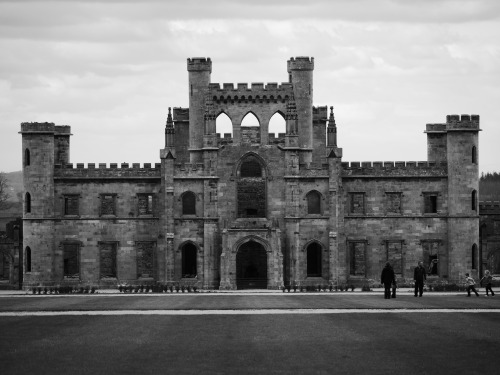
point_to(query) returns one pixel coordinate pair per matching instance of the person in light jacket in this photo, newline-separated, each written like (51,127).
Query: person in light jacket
(486,280)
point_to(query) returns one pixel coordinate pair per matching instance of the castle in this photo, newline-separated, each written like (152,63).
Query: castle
(251,209)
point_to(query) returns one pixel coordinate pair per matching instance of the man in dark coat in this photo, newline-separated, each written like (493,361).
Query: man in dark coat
(387,278)
(419,276)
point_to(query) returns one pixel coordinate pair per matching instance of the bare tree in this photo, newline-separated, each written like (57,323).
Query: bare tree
(4,190)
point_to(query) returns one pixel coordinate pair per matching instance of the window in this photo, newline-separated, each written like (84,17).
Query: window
(28,259)
(188,203)
(107,259)
(251,189)
(314,260)
(357,258)
(357,203)
(394,251)
(145,204)
(71,205)
(474,257)
(474,155)
(474,200)
(145,259)
(431,259)
(496,227)
(430,203)
(27,159)
(393,203)
(108,204)
(277,124)
(27,202)
(313,202)
(189,261)
(70,260)
(251,168)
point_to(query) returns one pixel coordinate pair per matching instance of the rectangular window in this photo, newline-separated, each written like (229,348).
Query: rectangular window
(431,257)
(430,203)
(71,260)
(393,203)
(496,227)
(145,259)
(357,203)
(71,205)
(394,250)
(357,258)
(145,204)
(107,259)
(108,204)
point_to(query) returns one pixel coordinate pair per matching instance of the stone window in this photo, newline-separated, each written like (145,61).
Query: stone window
(394,255)
(430,203)
(108,204)
(431,259)
(474,200)
(27,158)
(28,259)
(357,258)
(107,259)
(71,205)
(251,168)
(251,189)
(145,259)
(27,203)
(474,155)
(189,261)
(145,204)
(71,262)
(393,203)
(357,203)
(313,202)
(188,203)
(4,266)
(314,260)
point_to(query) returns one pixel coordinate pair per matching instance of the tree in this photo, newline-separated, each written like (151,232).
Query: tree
(4,190)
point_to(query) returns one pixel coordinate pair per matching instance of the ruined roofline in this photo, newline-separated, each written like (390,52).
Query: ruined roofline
(103,171)
(394,169)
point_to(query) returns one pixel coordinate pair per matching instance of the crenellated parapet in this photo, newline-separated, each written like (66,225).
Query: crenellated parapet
(463,122)
(257,93)
(300,63)
(102,170)
(199,64)
(394,169)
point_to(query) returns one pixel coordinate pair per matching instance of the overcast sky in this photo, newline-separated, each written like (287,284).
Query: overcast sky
(111,69)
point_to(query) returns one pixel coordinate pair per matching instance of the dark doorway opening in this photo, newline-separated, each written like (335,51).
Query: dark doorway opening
(251,266)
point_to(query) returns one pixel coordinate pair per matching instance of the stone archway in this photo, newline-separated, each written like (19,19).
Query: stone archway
(251,266)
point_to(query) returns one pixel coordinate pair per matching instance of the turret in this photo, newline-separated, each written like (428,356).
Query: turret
(169,131)
(199,79)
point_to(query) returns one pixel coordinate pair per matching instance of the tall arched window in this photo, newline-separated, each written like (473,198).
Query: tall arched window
(27,160)
(474,200)
(27,258)
(188,203)
(223,125)
(474,155)
(251,188)
(189,269)
(277,124)
(313,202)
(27,203)
(314,260)
(474,257)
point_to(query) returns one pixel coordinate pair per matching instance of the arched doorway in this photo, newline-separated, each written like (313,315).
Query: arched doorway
(251,266)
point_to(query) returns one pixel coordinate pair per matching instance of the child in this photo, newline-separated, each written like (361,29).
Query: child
(487,280)
(470,285)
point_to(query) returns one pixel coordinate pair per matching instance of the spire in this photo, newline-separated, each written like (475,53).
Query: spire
(332,130)
(169,130)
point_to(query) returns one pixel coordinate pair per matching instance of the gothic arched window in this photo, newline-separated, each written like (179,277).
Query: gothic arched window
(313,202)
(188,203)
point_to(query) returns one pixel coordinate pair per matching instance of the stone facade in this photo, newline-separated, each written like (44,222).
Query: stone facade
(250,209)
(490,237)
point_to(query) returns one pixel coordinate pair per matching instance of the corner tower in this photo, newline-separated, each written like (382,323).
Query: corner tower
(199,69)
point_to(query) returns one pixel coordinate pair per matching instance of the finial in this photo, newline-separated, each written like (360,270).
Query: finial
(169,117)
(331,120)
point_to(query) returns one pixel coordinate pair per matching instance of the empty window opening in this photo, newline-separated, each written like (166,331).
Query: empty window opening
(71,205)
(108,204)
(357,258)
(313,203)
(70,259)
(27,202)
(145,204)
(430,203)
(474,155)
(107,259)
(277,124)
(314,260)
(251,168)
(474,200)
(188,203)
(223,125)
(250,120)
(189,269)
(27,159)
(28,259)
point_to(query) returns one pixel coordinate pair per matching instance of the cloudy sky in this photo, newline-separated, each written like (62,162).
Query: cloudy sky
(111,69)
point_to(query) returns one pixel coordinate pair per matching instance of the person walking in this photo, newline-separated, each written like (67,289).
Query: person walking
(470,285)
(487,279)
(419,276)
(387,278)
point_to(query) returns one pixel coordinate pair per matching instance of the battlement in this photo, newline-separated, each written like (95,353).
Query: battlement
(199,64)
(394,169)
(435,128)
(300,63)
(257,93)
(115,170)
(463,122)
(37,127)
(489,207)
